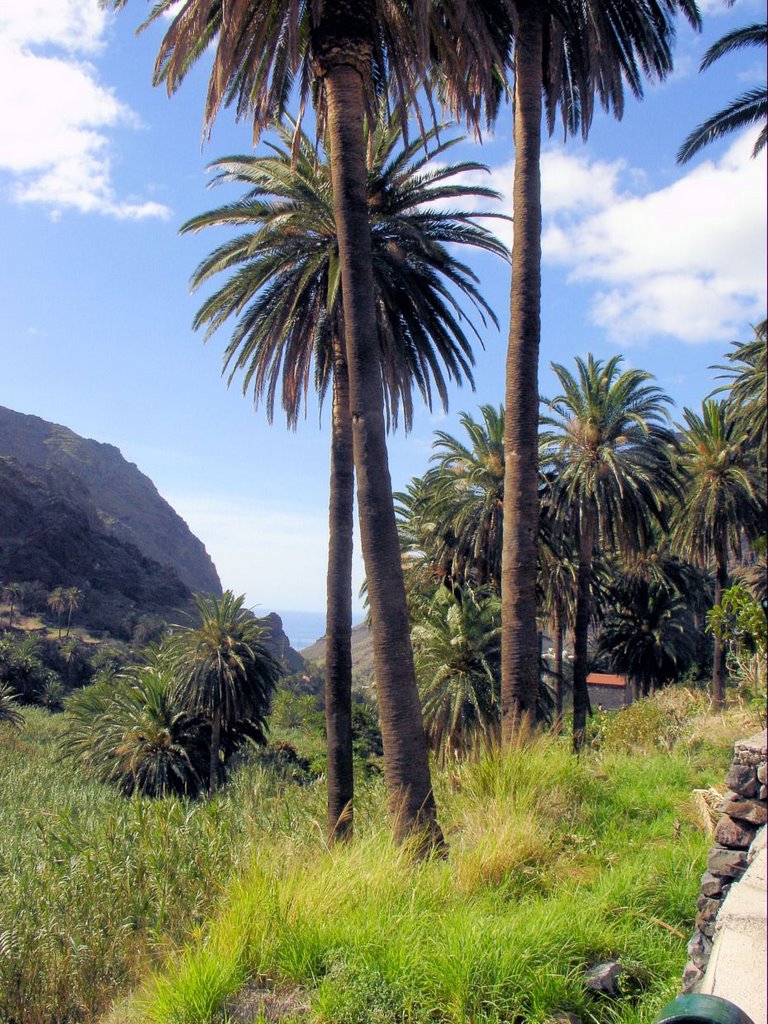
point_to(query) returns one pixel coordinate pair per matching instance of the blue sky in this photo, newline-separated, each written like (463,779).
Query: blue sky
(666,265)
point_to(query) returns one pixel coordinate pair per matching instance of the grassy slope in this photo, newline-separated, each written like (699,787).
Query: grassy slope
(555,863)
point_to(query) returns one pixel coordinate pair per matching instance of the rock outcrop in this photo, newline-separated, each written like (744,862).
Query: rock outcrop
(126,502)
(51,533)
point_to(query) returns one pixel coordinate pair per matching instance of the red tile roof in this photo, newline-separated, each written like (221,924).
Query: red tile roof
(606,679)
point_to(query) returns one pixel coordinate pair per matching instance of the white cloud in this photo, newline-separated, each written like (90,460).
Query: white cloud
(55,142)
(686,261)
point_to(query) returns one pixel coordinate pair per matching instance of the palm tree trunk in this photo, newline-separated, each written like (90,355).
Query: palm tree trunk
(587,530)
(406,766)
(338,627)
(213,771)
(557,725)
(718,663)
(519,667)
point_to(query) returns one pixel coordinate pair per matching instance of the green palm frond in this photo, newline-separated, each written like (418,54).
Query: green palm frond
(748,109)
(721,502)
(607,446)
(222,662)
(284,291)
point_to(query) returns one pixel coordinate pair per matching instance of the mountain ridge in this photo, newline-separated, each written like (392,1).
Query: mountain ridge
(126,501)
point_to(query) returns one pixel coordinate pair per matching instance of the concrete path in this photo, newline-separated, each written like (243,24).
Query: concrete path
(737,965)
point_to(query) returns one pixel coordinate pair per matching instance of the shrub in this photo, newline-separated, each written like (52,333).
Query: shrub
(653,723)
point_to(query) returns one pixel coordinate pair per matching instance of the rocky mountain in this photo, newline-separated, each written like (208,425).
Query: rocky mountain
(362,653)
(51,533)
(127,504)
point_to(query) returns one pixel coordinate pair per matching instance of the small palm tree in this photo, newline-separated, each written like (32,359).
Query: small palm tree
(608,452)
(132,733)
(721,504)
(8,711)
(72,597)
(57,603)
(748,109)
(456,648)
(12,592)
(223,670)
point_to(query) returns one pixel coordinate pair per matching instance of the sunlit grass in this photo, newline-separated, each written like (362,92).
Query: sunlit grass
(555,863)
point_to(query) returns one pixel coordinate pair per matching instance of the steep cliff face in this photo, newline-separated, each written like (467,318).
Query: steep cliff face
(125,501)
(51,533)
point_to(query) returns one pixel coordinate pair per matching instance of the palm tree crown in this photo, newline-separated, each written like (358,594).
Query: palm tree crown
(222,668)
(609,448)
(453,516)
(748,109)
(721,503)
(285,286)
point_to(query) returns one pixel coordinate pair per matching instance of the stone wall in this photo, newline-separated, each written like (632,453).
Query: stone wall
(744,810)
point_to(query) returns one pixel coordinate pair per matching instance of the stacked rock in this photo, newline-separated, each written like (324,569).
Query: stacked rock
(745,810)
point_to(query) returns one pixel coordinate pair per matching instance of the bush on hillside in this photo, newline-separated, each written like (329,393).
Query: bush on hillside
(653,723)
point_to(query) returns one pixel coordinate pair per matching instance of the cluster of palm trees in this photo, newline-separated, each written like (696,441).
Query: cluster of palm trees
(169,725)
(553,57)
(634,514)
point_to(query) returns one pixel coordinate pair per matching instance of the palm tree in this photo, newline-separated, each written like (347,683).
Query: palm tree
(223,670)
(72,597)
(609,453)
(647,635)
(566,52)
(557,584)
(748,386)
(57,603)
(285,292)
(456,647)
(133,733)
(345,56)
(8,710)
(12,592)
(721,505)
(749,108)
(463,497)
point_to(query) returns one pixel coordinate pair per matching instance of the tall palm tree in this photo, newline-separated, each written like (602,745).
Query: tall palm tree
(283,288)
(557,585)
(344,55)
(565,53)
(609,451)
(223,669)
(721,505)
(748,109)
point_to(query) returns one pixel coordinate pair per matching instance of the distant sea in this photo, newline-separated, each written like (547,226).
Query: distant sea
(304,628)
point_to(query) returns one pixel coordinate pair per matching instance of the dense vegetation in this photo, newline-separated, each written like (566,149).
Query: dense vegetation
(556,863)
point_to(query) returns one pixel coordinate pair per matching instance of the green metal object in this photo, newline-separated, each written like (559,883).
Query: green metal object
(700,1009)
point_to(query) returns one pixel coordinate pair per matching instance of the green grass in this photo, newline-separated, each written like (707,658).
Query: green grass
(555,863)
